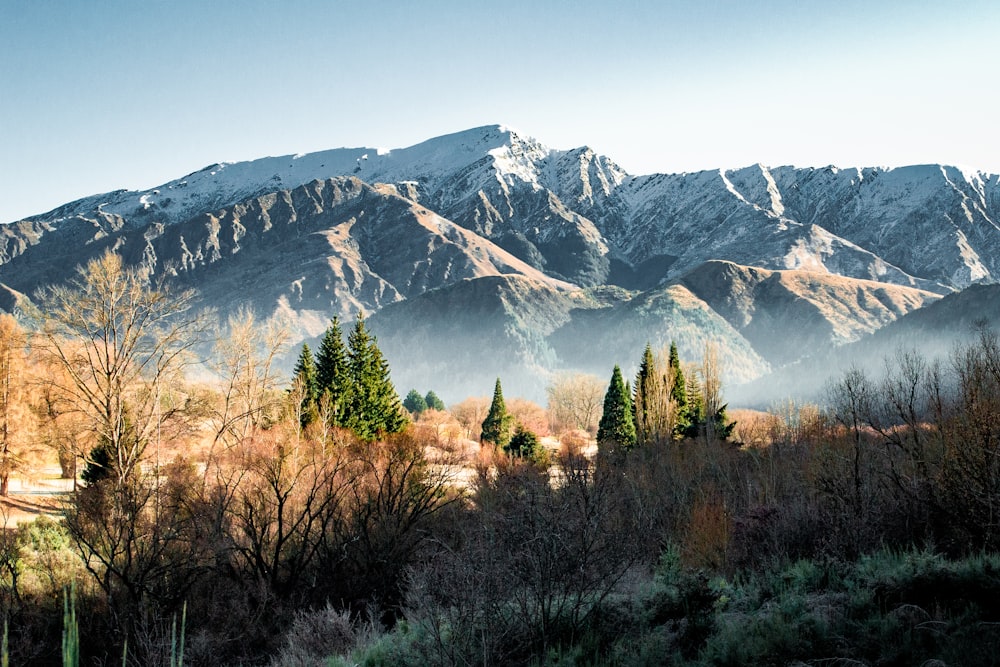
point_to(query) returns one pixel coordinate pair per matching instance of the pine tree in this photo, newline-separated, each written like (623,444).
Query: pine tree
(433,402)
(331,371)
(496,426)
(722,428)
(641,396)
(679,393)
(616,432)
(371,406)
(414,402)
(526,445)
(695,409)
(304,377)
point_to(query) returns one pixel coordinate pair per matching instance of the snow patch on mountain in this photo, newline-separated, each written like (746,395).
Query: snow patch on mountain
(915,225)
(518,162)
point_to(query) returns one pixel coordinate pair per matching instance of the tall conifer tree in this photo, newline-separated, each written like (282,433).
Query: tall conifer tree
(679,393)
(678,390)
(695,408)
(371,406)
(331,370)
(305,375)
(497,425)
(616,431)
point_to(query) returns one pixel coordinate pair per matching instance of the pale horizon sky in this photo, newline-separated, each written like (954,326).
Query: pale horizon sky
(102,95)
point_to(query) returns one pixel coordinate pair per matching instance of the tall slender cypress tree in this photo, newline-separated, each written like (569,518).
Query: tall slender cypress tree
(616,431)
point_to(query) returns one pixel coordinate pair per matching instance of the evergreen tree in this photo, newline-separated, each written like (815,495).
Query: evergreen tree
(370,406)
(414,402)
(331,371)
(678,393)
(102,463)
(722,428)
(695,409)
(305,376)
(641,397)
(526,445)
(496,426)
(99,464)
(616,431)
(433,402)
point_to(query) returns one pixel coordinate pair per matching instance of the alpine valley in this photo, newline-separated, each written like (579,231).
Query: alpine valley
(485,253)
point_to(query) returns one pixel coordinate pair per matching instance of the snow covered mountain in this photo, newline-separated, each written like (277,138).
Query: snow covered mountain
(930,226)
(353,229)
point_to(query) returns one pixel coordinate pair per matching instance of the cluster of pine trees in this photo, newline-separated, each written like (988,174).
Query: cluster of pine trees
(417,403)
(348,386)
(664,405)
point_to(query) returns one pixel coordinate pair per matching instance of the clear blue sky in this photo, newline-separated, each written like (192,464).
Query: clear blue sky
(97,95)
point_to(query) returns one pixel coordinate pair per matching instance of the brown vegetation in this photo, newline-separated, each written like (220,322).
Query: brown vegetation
(215,498)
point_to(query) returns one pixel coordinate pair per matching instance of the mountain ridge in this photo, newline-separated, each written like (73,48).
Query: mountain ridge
(834,253)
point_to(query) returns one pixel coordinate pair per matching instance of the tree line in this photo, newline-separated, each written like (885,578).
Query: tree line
(323,521)
(663,406)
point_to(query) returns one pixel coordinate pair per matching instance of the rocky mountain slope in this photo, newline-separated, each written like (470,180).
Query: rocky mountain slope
(532,259)
(788,314)
(933,332)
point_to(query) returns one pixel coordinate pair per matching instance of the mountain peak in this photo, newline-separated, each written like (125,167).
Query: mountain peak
(828,253)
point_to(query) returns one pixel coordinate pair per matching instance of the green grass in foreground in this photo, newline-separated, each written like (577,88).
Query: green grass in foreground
(887,608)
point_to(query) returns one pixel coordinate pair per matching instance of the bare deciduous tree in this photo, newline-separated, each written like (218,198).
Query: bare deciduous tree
(470,414)
(575,401)
(711,379)
(120,341)
(530,415)
(245,367)
(656,410)
(286,504)
(121,346)
(60,428)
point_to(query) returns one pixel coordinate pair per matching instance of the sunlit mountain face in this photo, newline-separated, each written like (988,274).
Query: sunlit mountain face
(486,253)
